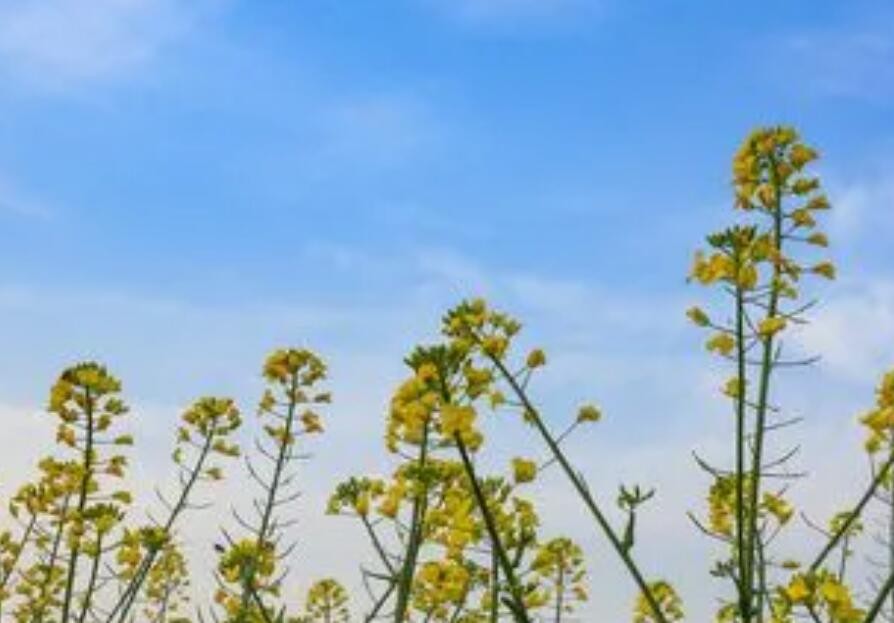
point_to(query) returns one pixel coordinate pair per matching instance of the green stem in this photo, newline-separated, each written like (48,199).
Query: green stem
(248,578)
(876,607)
(832,543)
(582,490)
(94,576)
(743,587)
(51,564)
(420,506)
(762,405)
(26,534)
(380,602)
(377,543)
(127,598)
(519,610)
(560,590)
(82,503)
(495,587)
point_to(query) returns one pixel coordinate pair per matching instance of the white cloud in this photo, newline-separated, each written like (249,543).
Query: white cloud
(863,206)
(617,348)
(853,331)
(59,43)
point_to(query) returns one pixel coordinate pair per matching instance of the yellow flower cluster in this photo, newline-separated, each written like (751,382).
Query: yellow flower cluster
(86,397)
(670,603)
(722,505)
(560,563)
(166,584)
(327,602)
(879,422)
(292,375)
(770,181)
(821,592)
(439,586)
(246,562)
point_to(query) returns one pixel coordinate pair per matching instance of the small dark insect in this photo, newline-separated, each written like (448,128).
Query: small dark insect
(219,548)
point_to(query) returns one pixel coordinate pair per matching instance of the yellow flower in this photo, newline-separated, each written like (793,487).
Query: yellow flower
(722,343)
(818,239)
(802,154)
(362,504)
(825,269)
(733,388)
(524,470)
(589,413)
(798,591)
(778,507)
(771,326)
(457,420)
(494,346)
(536,358)
(312,423)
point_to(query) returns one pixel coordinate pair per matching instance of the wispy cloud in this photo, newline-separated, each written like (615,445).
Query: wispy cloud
(863,205)
(853,331)
(621,349)
(855,61)
(60,43)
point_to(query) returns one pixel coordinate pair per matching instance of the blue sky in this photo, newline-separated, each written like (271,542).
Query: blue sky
(184,185)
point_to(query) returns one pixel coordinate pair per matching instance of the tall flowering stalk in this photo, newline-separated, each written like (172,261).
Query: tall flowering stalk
(248,570)
(486,336)
(761,265)
(468,544)
(204,432)
(86,401)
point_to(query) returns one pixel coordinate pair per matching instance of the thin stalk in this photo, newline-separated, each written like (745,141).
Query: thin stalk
(891,538)
(51,564)
(560,590)
(761,579)
(832,543)
(380,602)
(91,585)
(248,591)
(126,600)
(494,586)
(880,599)
(82,503)
(743,587)
(519,610)
(377,543)
(420,506)
(762,402)
(582,490)
(26,534)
